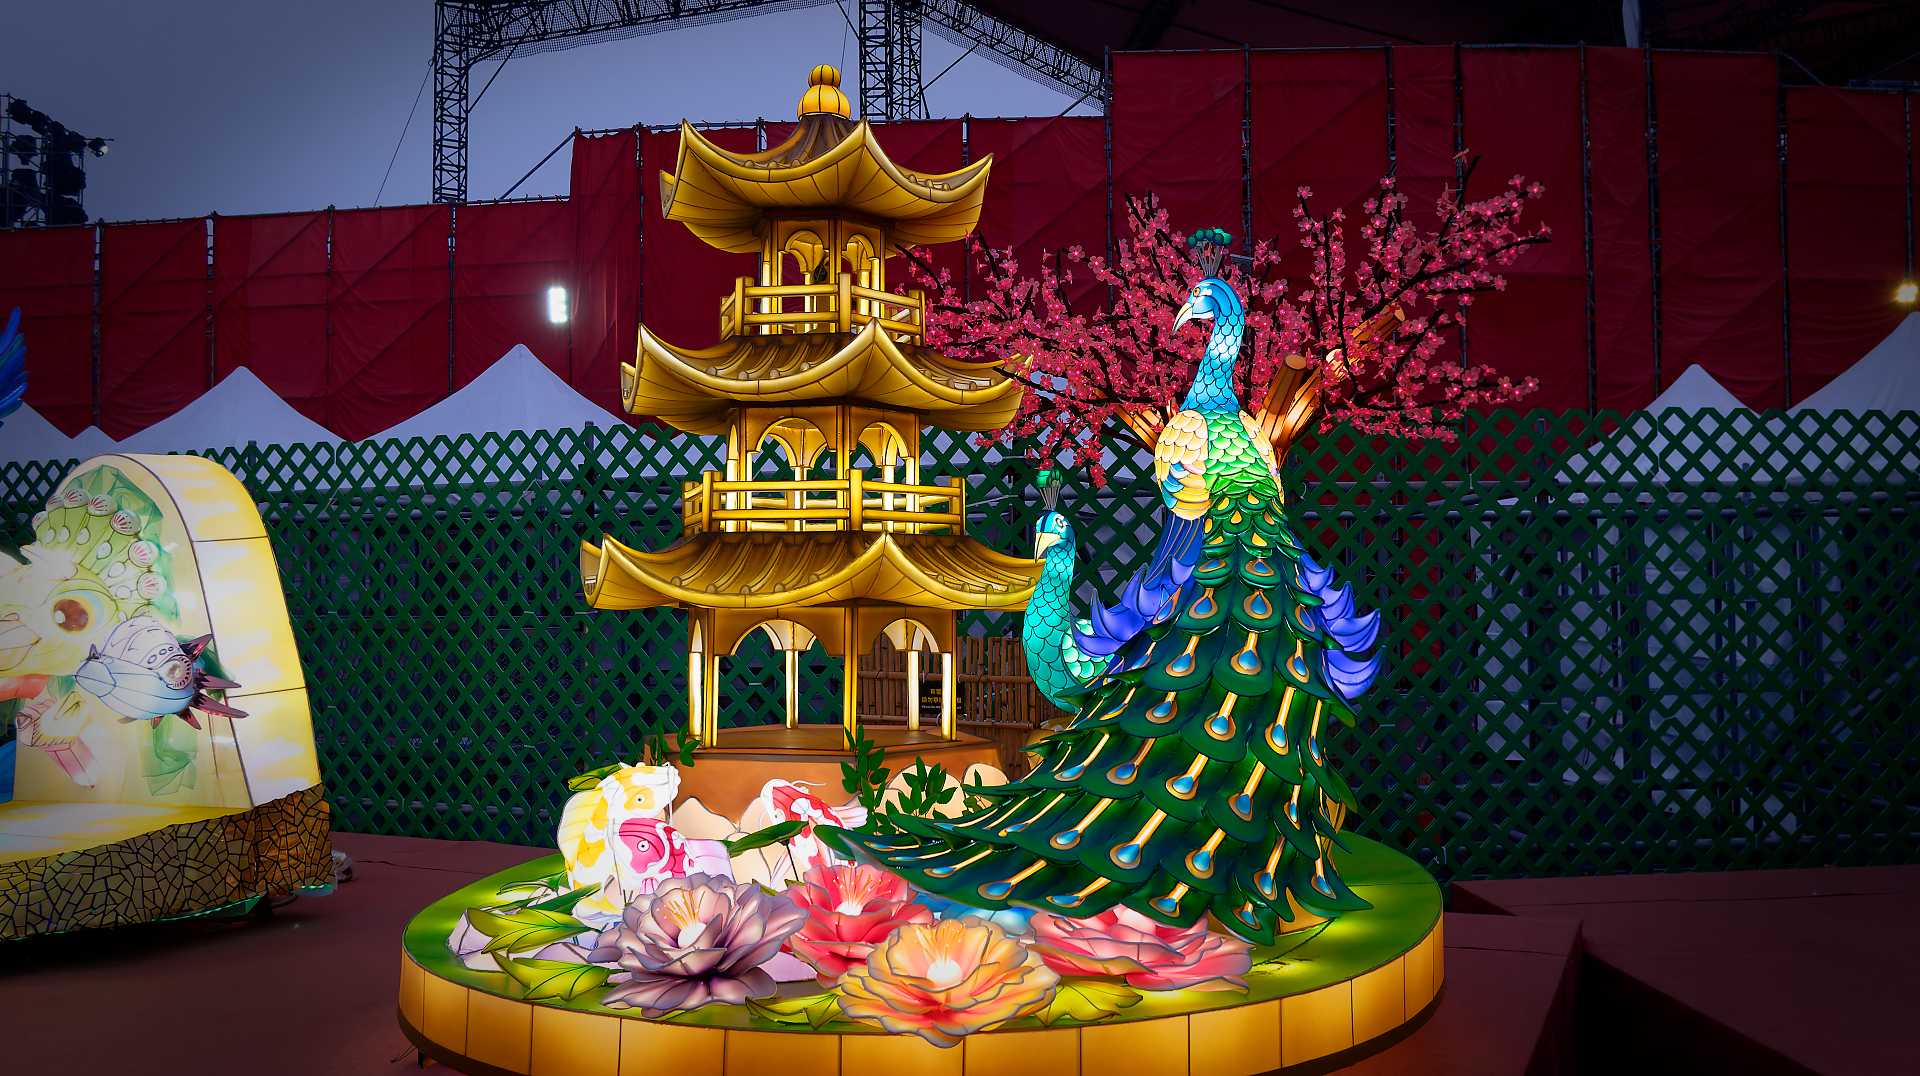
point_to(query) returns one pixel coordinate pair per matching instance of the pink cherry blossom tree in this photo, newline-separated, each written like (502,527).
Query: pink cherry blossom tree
(1360,340)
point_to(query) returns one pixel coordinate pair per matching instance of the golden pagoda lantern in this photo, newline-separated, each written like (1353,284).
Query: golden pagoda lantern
(820,357)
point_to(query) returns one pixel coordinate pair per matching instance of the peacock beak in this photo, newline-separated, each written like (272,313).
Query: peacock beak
(1044,541)
(1184,315)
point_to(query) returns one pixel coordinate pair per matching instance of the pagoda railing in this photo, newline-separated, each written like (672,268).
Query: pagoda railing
(838,306)
(855,503)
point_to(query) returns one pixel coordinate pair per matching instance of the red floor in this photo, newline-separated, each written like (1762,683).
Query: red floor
(1811,966)
(1787,971)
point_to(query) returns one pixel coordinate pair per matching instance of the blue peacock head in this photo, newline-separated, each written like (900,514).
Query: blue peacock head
(1213,299)
(1053,531)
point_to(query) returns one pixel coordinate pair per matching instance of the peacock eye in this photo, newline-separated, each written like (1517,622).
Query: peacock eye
(71,615)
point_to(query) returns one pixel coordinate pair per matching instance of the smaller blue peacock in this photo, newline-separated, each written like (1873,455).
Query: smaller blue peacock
(1194,778)
(1048,634)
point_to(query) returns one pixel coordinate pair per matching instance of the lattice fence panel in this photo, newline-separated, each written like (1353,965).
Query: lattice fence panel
(1616,643)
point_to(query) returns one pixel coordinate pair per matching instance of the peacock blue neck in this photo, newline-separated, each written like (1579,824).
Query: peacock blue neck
(1213,382)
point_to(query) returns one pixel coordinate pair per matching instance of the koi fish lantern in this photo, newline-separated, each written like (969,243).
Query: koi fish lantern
(615,839)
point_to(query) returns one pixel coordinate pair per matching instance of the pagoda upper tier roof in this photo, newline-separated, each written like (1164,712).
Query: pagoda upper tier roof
(693,390)
(762,570)
(829,164)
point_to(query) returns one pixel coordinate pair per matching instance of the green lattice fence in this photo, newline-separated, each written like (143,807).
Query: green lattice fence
(1650,642)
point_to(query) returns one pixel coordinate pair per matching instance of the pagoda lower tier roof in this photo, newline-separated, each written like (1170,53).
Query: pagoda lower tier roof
(746,570)
(694,390)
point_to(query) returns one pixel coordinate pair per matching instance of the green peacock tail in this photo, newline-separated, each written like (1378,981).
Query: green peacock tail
(1196,781)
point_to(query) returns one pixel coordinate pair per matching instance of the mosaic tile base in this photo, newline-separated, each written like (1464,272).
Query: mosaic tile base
(175,870)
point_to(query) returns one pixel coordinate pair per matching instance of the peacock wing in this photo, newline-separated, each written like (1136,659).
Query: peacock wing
(1180,464)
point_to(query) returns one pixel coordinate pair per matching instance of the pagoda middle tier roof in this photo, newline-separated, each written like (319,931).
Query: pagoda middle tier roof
(829,164)
(760,570)
(693,390)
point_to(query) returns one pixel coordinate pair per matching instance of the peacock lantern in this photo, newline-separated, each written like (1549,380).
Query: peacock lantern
(1193,778)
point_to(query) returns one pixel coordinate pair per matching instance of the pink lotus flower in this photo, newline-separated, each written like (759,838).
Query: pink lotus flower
(1148,954)
(943,981)
(850,909)
(695,940)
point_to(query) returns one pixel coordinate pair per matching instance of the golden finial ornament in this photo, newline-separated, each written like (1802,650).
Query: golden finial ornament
(823,96)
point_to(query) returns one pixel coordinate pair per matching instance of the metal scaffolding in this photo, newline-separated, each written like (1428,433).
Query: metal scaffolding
(466,32)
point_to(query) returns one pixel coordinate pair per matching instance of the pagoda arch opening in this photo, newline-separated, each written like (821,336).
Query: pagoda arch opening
(776,643)
(902,649)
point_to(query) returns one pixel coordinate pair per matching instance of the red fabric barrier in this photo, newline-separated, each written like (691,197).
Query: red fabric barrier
(153,322)
(1319,121)
(1423,110)
(1622,263)
(1846,183)
(505,257)
(1176,133)
(929,147)
(606,195)
(685,278)
(387,304)
(1720,273)
(270,304)
(48,274)
(1048,190)
(1522,117)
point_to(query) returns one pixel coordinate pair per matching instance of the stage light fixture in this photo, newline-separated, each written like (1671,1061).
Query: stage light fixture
(1907,293)
(557,312)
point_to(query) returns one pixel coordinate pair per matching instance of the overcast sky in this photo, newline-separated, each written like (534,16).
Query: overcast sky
(249,107)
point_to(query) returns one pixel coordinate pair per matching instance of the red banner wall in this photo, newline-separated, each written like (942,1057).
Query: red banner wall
(1720,272)
(1622,260)
(1423,108)
(684,277)
(387,300)
(1522,117)
(607,263)
(1176,133)
(153,322)
(1048,190)
(929,147)
(505,257)
(270,304)
(1319,121)
(1846,182)
(48,274)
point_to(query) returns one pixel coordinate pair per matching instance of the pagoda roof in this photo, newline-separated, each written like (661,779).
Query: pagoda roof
(693,390)
(762,570)
(828,163)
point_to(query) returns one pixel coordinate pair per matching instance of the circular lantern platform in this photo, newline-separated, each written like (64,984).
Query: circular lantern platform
(1320,996)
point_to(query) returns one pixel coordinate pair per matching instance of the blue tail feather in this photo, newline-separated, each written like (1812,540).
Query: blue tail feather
(1149,594)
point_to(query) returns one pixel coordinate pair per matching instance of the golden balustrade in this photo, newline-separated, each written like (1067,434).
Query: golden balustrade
(854,503)
(837,306)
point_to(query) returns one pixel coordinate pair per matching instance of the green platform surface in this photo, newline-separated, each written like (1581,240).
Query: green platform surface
(1406,906)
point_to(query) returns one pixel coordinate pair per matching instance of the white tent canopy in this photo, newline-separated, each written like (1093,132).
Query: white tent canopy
(1885,379)
(241,408)
(25,436)
(92,441)
(1660,445)
(517,392)
(1696,390)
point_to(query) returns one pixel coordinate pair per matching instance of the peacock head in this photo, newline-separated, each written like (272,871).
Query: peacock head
(1052,530)
(1053,536)
(1212,299)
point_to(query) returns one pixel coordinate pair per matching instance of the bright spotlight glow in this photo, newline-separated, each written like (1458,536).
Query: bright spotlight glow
(557,305)
(1907,293)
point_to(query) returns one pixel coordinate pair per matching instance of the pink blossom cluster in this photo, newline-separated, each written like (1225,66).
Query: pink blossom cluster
(1090,369)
